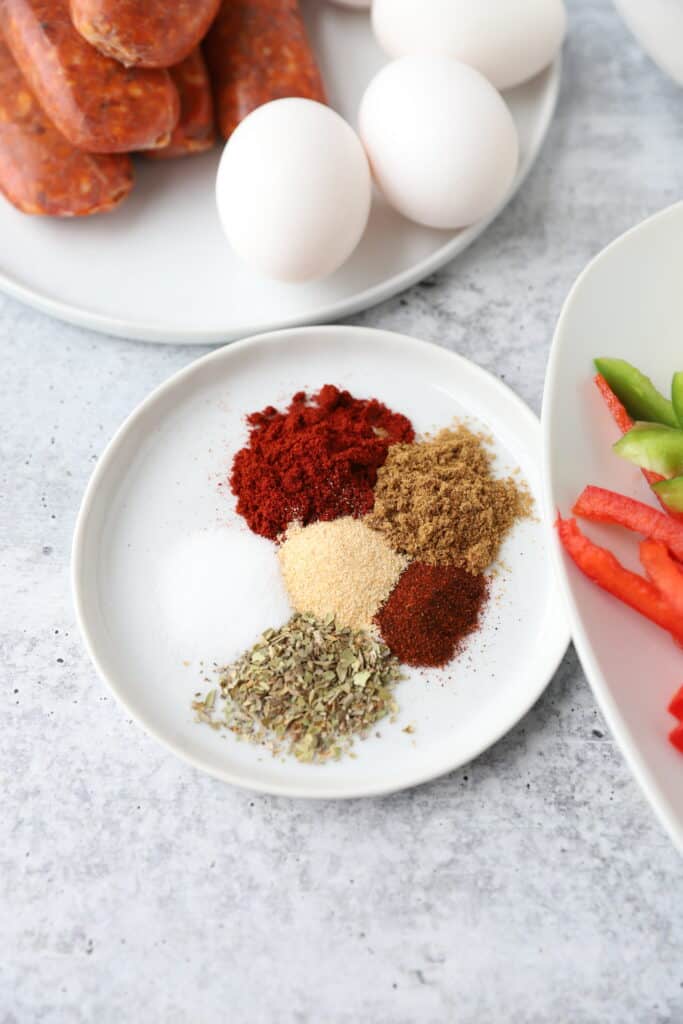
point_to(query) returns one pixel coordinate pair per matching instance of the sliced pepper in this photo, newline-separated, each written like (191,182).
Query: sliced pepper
(637,392)
(619,414)
(677,396)
(624,422)
(603,506)
(670,493)
(664,572)
(654,447)
(676,706)
(601,566)
(676,737)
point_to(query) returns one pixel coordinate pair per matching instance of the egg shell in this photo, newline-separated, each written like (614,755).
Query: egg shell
(441,141)
(509,41)
(294,190)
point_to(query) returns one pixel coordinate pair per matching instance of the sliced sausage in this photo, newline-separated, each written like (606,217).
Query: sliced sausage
(195,130)
(258,50)
(40,172)
(148,33)
(95,102)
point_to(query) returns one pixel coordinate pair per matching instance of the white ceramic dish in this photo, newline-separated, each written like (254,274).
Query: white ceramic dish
(658,27)
(159,269)
(627,303)
(158,481)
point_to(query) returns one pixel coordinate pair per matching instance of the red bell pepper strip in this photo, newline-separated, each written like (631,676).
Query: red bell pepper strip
(664,572)
(676,737)
(676,706)
(601,566)
(615,406)
(603,506)
(624,422)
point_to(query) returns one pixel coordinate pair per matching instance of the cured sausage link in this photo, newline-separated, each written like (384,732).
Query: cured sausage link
(96,103)
(148,33)
(195,130)
(40,172)
(258,50)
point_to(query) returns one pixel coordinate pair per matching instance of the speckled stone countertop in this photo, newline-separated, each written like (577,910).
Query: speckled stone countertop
(534,885)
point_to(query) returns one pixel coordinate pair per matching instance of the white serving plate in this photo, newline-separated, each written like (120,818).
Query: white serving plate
(658,27)
(158,481)
(627,303)
(160,269)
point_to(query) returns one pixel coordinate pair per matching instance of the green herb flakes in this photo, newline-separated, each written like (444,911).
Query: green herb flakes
(308,689)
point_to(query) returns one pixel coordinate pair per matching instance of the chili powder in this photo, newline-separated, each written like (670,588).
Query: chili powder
(317,460)
(429,613)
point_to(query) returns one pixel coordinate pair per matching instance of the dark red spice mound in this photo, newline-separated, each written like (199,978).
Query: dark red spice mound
(317,460)
(429,613)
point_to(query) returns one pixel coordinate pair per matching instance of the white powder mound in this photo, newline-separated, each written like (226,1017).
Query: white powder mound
(219,590)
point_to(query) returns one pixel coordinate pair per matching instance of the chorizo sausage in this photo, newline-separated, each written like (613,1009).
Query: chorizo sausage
(148,33)
(195,130)
(40,172)
(258,50)
(96,103)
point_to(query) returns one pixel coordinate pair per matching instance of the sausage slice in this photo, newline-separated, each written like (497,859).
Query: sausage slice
(40,172)
(95,102)
(258,50)
(148,33)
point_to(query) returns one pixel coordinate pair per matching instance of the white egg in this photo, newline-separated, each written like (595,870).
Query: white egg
(441,141)
(357,4)
(509,41)
(294,190)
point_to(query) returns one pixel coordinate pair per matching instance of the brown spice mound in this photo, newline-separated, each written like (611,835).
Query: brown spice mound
(430,612)
(439,502)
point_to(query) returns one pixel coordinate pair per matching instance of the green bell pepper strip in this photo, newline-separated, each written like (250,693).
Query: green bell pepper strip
(654,447)
(637,392)
(670,493)
(677,396)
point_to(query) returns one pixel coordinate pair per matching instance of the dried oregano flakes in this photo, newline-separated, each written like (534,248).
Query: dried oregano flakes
(308,688)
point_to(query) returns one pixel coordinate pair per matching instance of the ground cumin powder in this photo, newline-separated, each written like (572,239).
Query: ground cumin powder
(439,502)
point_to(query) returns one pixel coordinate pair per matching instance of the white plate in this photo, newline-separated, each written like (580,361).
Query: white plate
(159,269)
(627,303)
(158,481)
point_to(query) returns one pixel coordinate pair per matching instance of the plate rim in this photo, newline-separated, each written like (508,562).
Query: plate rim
(584,648)
(554,651)
(326,313)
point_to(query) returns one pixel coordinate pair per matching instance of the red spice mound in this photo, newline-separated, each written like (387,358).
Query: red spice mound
(430,611)
(317,460)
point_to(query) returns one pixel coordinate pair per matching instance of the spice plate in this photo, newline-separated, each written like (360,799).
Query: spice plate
(163,478)
(160,269)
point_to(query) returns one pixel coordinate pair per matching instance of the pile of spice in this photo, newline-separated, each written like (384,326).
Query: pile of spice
(220,588)
(439,501)
(317,460)
(308,688)
(430,613)
(340,568)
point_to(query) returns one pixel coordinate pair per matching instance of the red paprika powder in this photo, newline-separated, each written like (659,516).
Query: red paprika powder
(317,460)
(429,613)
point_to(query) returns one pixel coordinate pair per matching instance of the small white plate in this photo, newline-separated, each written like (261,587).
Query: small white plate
(158,481)
(160,269)
(627,303)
